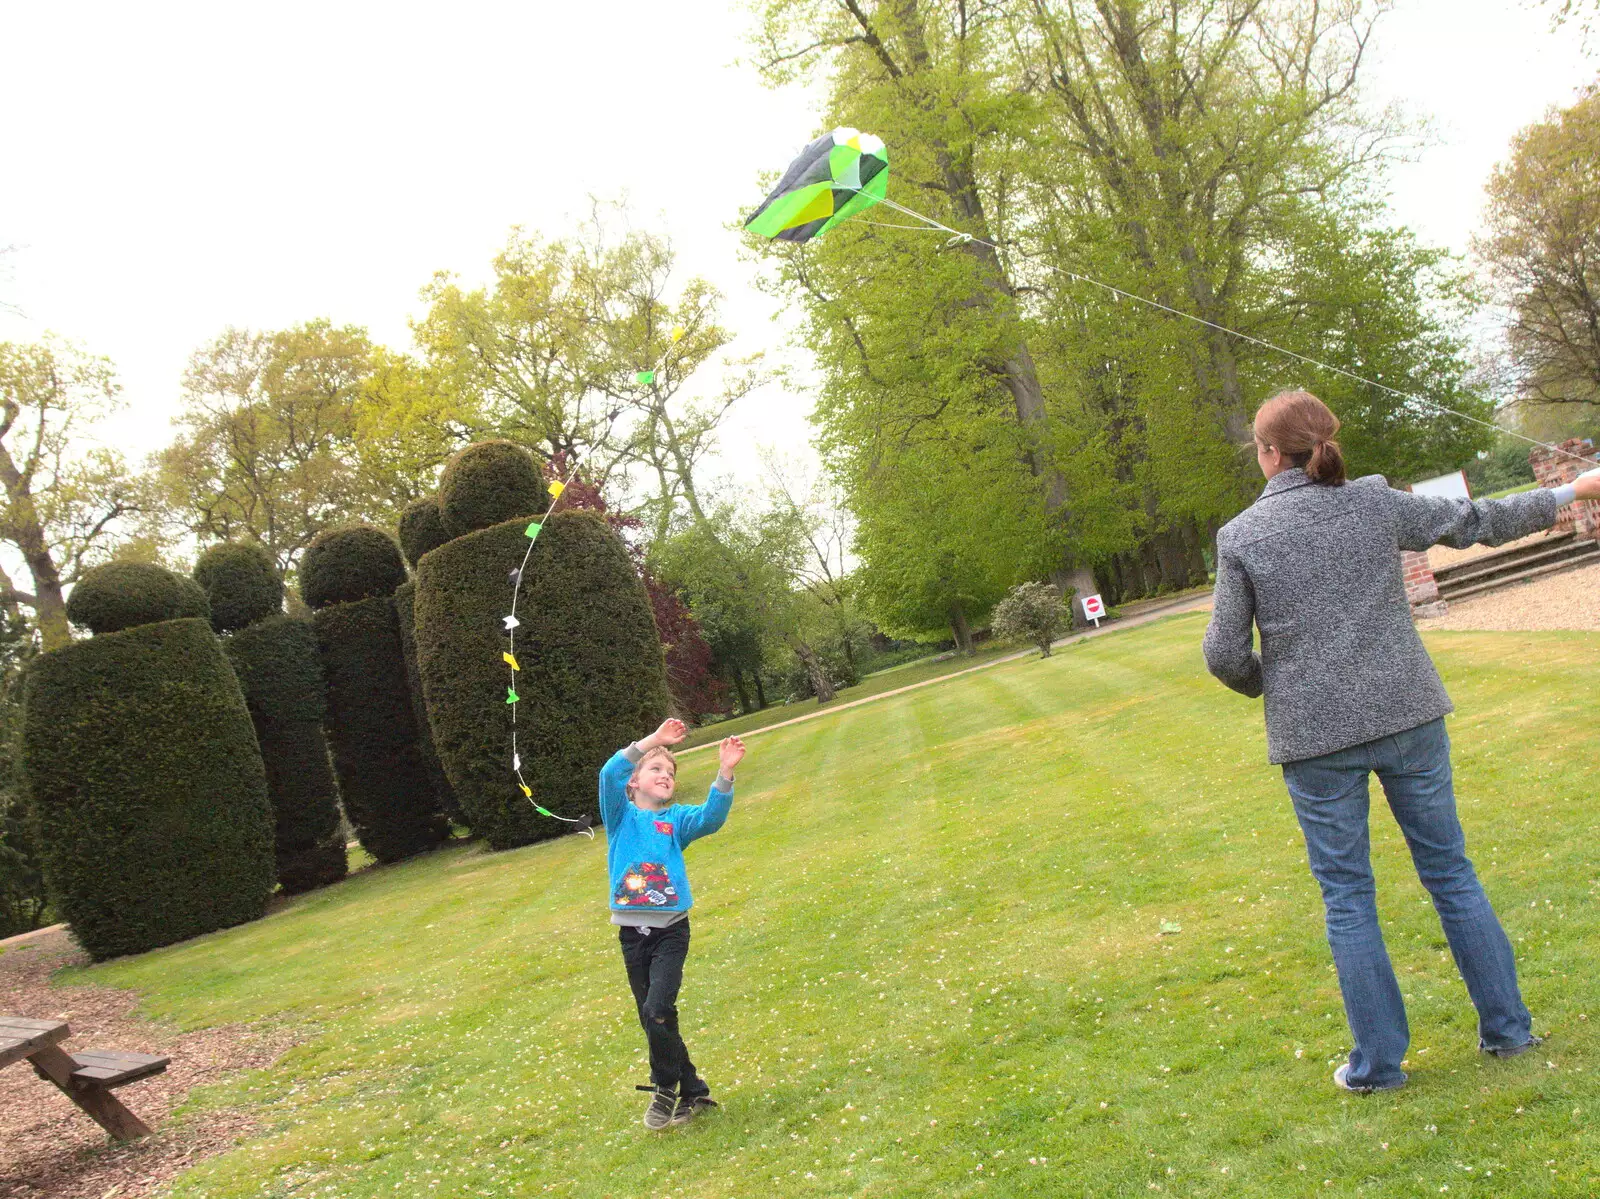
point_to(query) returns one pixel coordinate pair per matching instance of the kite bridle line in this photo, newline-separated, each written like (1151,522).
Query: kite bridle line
(511,637)
(959,238)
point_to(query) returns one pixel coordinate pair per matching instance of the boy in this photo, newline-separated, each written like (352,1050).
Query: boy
(646,835)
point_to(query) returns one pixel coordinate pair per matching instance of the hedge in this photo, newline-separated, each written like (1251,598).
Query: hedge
(242,582)
(421,529)
(405,607)
(488,483)
(592,675)
(279,672)
(147,788)
(350,563)
(124,595)
(387,794)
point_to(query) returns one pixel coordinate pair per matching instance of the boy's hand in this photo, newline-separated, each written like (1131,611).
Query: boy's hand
(1587,485)
(670,733)
(731,751)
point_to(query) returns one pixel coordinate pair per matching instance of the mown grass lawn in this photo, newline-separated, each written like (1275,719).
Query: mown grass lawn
(928,960)
(905,675)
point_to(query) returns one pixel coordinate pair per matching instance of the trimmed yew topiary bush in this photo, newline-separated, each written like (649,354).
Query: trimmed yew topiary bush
(488,483)
(281,676)
(124,595)
(421,529)
(144,778)
(354,562)
(275,658)
(592,669)
(405,608)
(382,776)
(242,583)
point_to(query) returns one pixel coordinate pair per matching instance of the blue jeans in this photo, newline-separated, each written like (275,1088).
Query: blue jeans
(1331,802)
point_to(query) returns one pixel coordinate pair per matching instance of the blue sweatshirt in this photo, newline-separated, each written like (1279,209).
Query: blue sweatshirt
(644,848)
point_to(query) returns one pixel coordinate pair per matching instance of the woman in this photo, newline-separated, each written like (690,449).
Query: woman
(1350,690)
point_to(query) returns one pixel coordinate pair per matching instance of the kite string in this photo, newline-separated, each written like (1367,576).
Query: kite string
(511,636)
(958,237)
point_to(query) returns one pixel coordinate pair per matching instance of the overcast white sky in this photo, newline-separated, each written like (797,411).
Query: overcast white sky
(171,169)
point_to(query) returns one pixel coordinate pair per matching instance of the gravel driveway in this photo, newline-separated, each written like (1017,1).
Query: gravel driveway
(1569,600)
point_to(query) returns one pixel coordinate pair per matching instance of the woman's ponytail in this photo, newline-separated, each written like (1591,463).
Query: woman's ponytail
(1326,464)
(1301,427)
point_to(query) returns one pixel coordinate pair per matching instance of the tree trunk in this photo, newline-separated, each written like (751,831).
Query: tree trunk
(738,690)
(960,629)
(26,532)
(815,670)
(761,692)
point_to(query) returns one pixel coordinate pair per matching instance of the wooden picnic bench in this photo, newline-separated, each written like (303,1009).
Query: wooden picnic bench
(86,1078)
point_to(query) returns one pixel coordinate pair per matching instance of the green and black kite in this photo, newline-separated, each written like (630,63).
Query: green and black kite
(835,177)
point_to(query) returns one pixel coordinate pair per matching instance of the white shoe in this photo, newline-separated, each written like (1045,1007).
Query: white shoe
(1343,1073)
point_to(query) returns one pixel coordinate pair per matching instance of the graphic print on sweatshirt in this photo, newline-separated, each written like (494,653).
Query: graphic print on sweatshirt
(645,885)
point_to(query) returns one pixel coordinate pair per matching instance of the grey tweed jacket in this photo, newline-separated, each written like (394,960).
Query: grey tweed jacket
(1317,570)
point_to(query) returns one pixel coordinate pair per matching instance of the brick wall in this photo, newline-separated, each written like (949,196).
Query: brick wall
(1421,587)
(1552,470)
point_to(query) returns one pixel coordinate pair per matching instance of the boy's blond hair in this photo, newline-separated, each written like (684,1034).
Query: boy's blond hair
(659,751)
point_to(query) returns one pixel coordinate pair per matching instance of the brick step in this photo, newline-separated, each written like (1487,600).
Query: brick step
(1572,562)
(1512,554)
(1484,569)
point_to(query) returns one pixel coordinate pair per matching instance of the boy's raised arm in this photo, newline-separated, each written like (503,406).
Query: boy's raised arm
(614,775)
(707,818)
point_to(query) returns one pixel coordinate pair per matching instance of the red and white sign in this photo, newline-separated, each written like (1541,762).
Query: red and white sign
(1094,609)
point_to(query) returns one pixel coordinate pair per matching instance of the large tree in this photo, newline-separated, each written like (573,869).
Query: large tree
(590,347)
(286,433)
(66,498)
(1542,245)
(1208,156)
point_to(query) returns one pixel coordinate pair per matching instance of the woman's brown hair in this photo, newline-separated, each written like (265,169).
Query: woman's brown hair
(1302,428)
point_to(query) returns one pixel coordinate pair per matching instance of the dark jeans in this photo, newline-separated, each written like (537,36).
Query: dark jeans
(1331,802)
(655,972)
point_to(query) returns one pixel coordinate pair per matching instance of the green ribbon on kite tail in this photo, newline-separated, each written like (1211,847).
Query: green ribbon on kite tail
(835,177)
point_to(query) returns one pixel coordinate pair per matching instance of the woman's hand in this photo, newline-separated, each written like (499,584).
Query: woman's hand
(670,733)
(1587,485)
(731,752)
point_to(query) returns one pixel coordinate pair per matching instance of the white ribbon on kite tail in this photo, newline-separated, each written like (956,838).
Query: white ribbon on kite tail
(957,237)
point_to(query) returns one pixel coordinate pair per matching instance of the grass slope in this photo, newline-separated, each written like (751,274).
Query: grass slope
(928,961)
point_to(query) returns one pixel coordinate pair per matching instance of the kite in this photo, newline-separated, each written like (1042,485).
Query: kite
(837,176)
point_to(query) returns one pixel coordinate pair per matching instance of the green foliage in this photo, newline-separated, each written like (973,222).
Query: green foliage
(1542,248)
(289,432)
(370,727)
(242,583)
(488,483)
(122,595)
(405,610)
(1033,612)
(276,662)
(1505,465)
(147,787)
(24,901)
(421,528)
(344,565)
(592,675)
(550,354)
(939,543)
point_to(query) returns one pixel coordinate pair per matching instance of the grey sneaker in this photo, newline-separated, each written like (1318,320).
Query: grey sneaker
(690,1106)
(1532,1042)
(663,1100)
(1342,1074)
